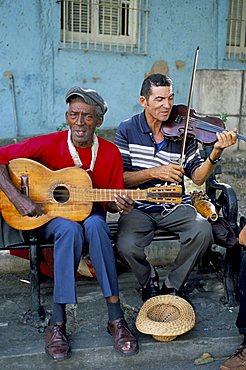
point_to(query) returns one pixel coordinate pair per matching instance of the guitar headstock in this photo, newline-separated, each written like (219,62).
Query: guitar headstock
(165,194)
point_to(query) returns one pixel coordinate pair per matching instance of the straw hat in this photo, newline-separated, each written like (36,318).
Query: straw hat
(165,317)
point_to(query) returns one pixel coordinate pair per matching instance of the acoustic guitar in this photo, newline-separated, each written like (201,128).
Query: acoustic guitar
(67,193)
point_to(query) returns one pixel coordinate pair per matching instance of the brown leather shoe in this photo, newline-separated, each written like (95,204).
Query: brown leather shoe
(237,361)
(56,343)
(124,340)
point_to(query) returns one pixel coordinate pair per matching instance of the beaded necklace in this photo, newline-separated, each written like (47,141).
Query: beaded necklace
(75,154)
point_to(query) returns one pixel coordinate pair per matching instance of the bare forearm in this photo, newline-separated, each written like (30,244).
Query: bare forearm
(225,140)
(22,203)
(6,184)
(135,178)
(171,172)
(201,174)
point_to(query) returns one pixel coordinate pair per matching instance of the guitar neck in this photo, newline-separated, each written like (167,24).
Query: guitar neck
(162,194)
(100,195)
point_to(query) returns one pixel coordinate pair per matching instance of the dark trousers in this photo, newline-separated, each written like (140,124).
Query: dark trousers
(136,231)
(241,317)
(69,239)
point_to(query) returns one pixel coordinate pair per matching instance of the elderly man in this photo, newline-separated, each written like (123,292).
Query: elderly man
(79,146)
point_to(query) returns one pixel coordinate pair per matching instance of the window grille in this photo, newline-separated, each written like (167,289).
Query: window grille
(236,31)
(105,25)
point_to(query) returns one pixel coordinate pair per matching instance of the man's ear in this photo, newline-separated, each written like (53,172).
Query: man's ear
(66,115)
(100,121)
(143,101)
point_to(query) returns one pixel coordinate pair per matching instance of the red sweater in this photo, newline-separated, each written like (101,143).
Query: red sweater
(52,151)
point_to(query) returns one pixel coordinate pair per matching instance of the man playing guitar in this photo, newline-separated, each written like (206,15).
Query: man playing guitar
(80,147)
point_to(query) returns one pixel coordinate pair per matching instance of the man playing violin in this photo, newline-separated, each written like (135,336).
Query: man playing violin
(80,147)
(152,159)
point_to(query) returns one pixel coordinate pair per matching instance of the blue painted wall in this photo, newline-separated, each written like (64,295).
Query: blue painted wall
(31,52)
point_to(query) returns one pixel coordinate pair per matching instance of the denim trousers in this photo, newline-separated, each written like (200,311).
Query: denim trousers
(70,238)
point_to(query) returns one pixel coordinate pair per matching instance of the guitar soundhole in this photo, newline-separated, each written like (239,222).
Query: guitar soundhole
(61,194)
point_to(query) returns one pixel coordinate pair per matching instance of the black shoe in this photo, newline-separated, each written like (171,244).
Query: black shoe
(173,291)
(152,288)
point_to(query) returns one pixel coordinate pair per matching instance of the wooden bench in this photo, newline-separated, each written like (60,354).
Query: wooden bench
(222,195)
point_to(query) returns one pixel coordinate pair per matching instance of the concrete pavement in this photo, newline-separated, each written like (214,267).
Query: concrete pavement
(22,346)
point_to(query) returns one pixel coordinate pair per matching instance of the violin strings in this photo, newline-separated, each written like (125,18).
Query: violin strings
(211,128)
(205,125)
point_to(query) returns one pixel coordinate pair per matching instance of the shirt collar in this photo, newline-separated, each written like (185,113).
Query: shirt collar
(144,124)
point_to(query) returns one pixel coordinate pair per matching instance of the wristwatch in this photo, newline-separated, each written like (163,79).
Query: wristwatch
(214,161)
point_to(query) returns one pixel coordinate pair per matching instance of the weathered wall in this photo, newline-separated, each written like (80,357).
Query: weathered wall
(220,91)
(31,52)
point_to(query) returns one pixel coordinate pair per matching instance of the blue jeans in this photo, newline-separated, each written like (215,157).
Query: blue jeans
(69,239)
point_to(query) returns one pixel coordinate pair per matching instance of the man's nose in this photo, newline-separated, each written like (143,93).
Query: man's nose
(80,119)
(166,103)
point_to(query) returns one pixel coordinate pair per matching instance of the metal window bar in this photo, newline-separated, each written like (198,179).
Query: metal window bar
(112,25)
(88,26)
(80,23)
(236,32)
(64,23)
(139,25)
(72,24)
(118,27)
(110,22)
(132,39)
(95,22)
(146,26)
(102,17)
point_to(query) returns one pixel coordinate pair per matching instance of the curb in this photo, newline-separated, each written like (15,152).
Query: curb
(157,253)
(10,264)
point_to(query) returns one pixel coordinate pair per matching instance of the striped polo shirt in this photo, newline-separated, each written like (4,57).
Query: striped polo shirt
(139,151)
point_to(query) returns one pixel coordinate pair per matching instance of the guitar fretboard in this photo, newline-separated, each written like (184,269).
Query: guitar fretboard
(109,194)
(161,194)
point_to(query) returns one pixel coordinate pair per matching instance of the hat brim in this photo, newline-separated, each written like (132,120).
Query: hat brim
(165,317)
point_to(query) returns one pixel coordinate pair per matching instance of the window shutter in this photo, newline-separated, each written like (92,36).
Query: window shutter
(79,16)
(109,17)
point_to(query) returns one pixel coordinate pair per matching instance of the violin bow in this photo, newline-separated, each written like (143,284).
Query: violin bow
(188,109)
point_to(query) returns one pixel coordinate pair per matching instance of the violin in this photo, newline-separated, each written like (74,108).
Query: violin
(201,128)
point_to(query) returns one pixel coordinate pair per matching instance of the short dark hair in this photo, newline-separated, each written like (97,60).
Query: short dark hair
(156,79)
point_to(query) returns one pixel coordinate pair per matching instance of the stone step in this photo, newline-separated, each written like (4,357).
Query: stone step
(22,346)
(179,354)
